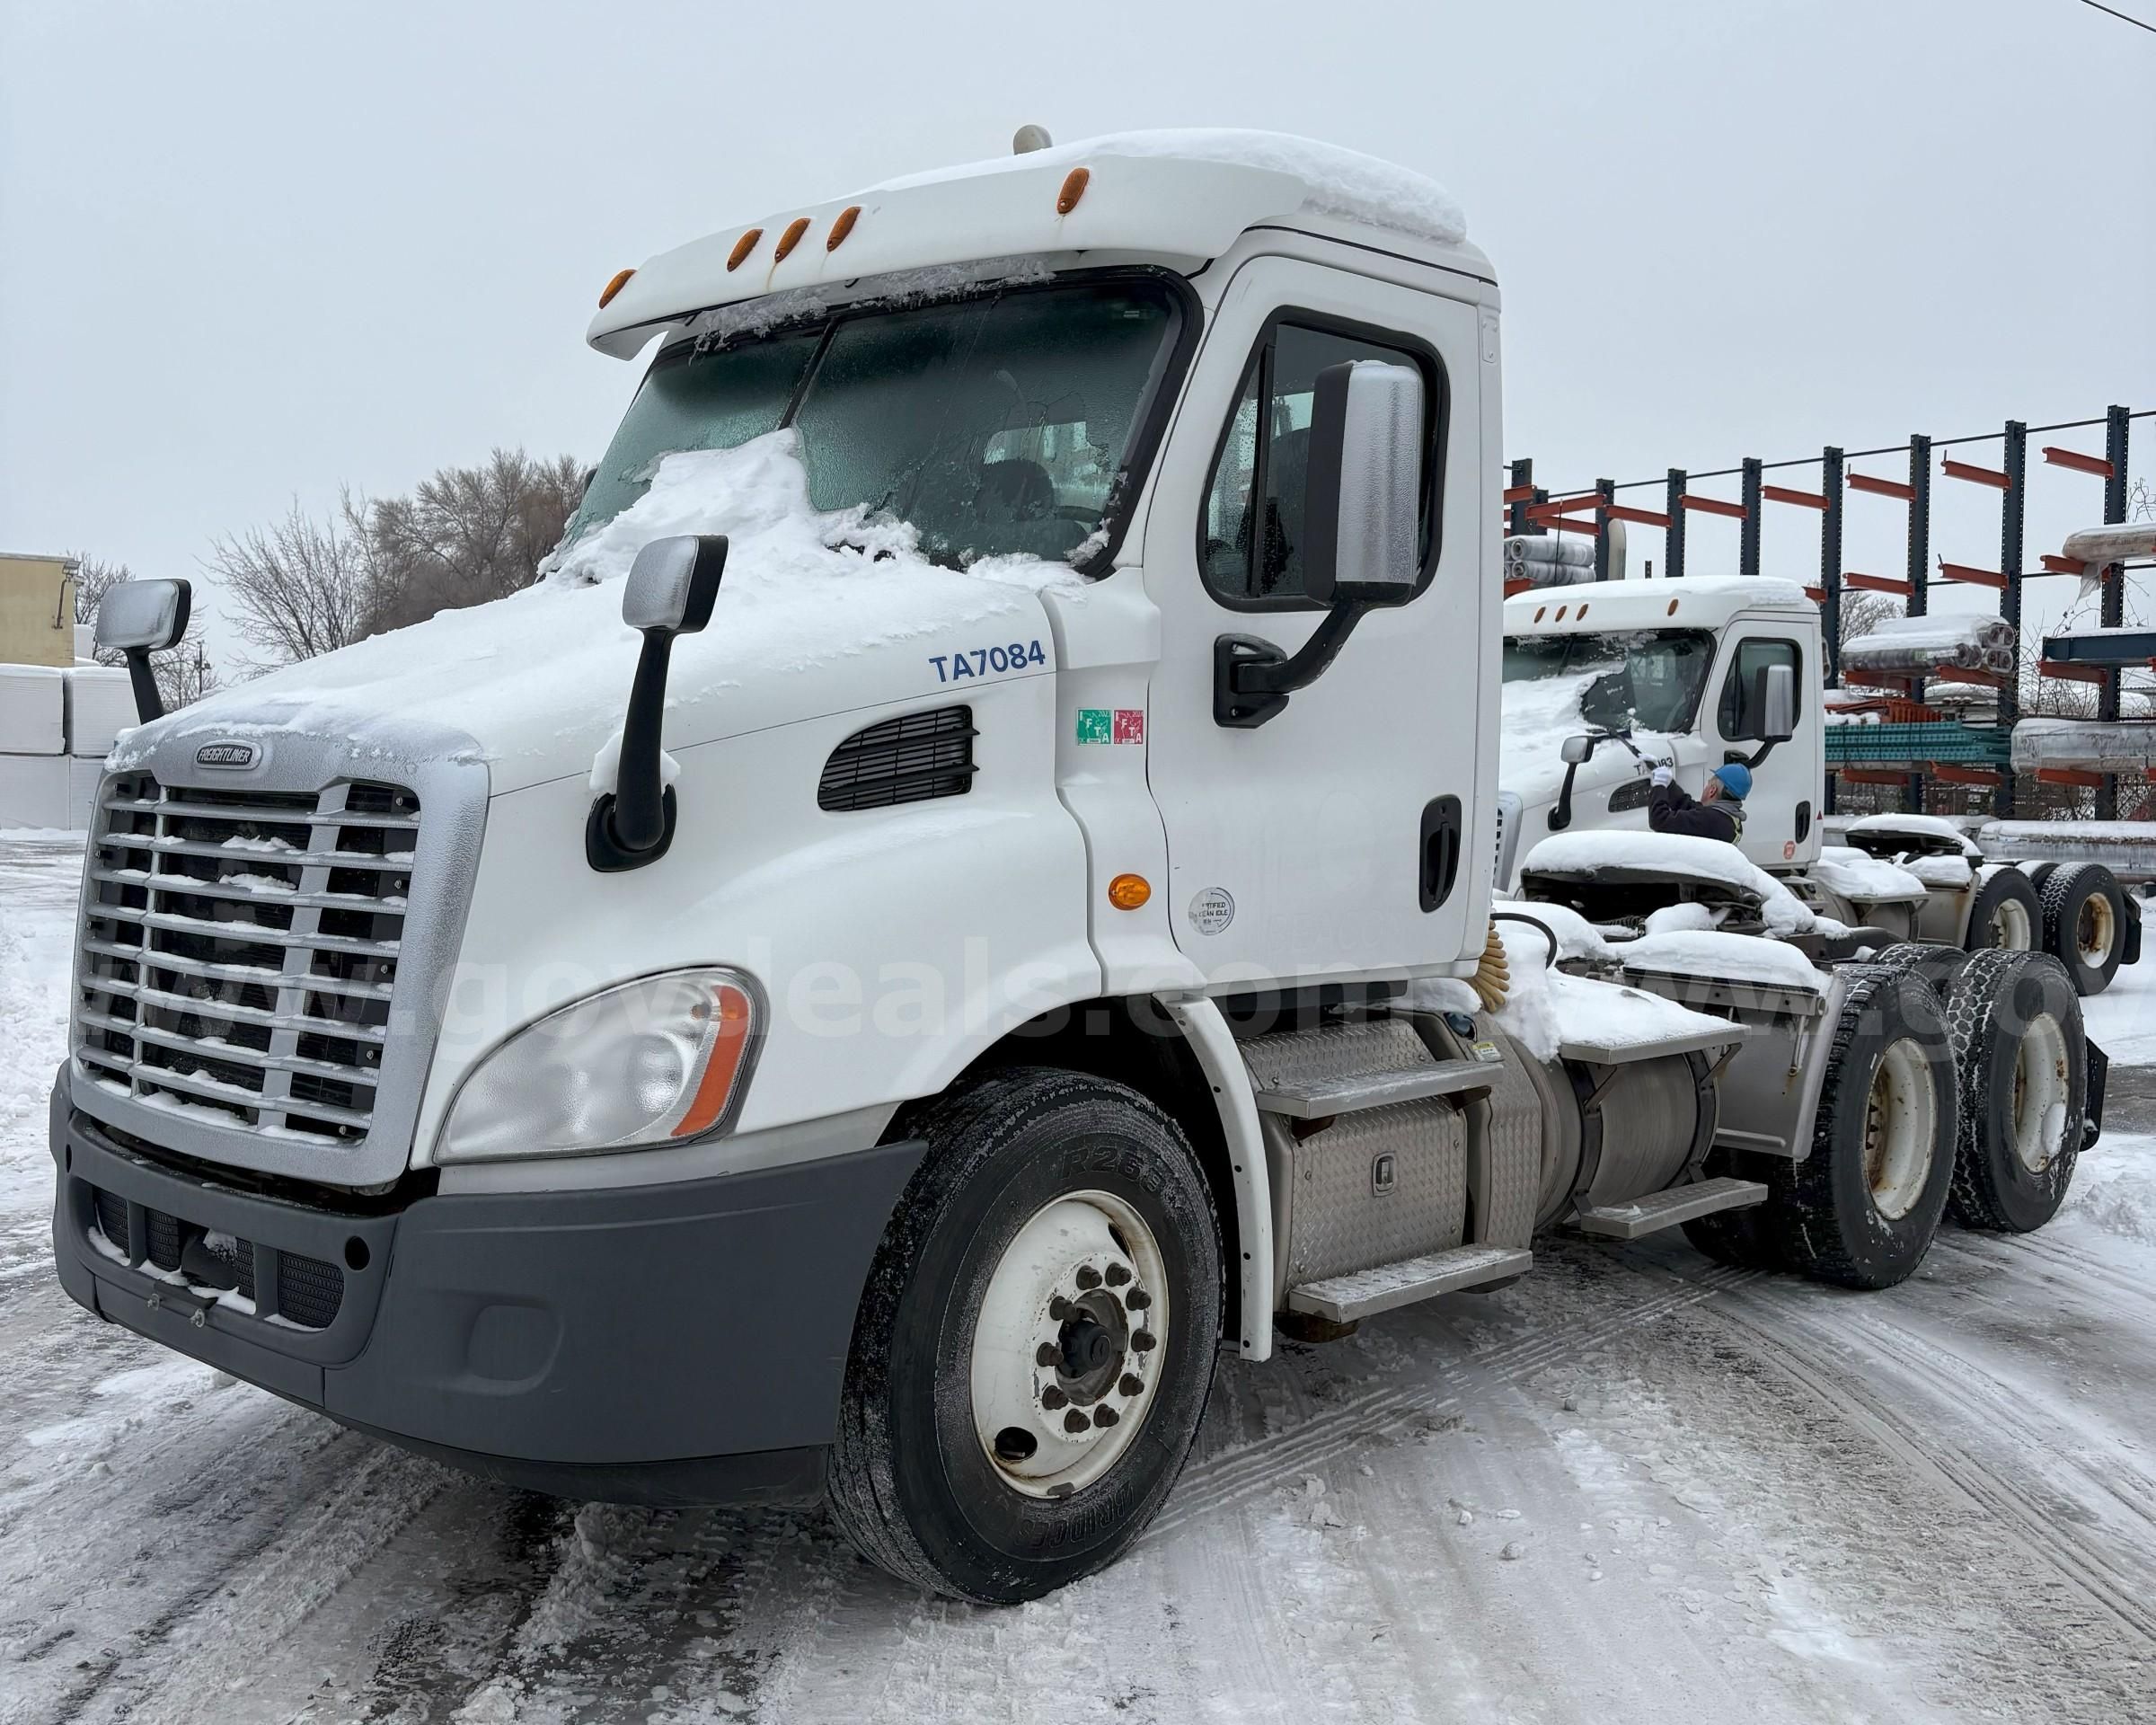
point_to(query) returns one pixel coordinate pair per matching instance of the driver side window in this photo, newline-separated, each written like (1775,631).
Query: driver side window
(1741,721)
(1252,535)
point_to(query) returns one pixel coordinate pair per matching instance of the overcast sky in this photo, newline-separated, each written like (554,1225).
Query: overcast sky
(250,253)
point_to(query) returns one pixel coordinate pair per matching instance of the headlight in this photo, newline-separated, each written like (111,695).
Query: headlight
(660,1060)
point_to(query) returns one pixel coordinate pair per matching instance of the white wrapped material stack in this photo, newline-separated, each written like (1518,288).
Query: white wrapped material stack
(1919,644)
(2090,745)
(100,705)
(1549,560)
(33,710)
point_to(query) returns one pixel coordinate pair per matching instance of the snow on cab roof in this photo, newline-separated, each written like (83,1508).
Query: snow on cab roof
(1703,601)
(1181,195)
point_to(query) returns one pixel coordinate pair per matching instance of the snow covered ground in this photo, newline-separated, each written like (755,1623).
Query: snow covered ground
(1634,1486)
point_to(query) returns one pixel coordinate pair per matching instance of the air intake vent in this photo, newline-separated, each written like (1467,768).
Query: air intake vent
(911,759)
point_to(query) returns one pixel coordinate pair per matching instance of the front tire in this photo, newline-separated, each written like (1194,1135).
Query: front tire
(1037,1341)
(1861,1209)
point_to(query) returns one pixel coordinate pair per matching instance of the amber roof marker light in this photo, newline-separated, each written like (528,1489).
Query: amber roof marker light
(843,227)
(791,238)
(620,281)
(1074,187)
(743,247)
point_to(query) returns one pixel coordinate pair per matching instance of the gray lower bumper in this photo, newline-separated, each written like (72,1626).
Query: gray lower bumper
(674,1343)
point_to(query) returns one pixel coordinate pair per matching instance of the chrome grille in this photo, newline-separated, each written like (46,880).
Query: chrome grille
(240,949)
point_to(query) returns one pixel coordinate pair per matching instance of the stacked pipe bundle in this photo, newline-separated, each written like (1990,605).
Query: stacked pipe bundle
(1549,560)
(1918,644)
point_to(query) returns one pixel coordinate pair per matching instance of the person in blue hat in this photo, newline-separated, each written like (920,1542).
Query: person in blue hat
(1719,814)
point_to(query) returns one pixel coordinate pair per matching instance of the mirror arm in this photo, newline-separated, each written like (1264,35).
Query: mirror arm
(1252,678)
(1752,761)
(149,703)
(633,824)
(1560,816)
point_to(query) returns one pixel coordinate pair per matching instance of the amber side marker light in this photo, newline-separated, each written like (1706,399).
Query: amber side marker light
(843,227)
(743,247)
(620,281)
(1074,189)
(791,238)
(1129,891)
(734,1019)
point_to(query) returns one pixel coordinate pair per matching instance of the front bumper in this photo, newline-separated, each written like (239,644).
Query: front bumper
(677,1343)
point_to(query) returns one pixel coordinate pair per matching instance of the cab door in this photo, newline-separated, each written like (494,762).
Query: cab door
(1343,835)
(1781,815)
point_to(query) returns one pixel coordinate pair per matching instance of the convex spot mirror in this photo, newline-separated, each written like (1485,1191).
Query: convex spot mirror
(1575,750)
(1363,514)
(1776,701)
(674,583)
(144,616)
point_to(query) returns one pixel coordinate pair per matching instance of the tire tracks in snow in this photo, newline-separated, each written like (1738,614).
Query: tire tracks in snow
(1232,1475)
(1817,1359)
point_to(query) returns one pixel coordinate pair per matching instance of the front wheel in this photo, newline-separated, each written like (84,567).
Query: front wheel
(1037,1341)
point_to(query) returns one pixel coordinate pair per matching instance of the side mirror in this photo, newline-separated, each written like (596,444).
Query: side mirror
(1577,751)
(139,618)
(1364,503)
(1774,698)
(671,588)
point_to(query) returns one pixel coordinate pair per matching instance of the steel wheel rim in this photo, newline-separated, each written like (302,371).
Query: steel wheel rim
(2037,1119)
(2094,931)
(1067,1348)
(1901,1110)
(2011,927)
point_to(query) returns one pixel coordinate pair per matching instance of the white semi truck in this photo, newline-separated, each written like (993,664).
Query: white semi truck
(1605,679)
(968,886)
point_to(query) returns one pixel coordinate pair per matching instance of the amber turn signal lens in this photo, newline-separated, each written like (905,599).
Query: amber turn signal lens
(743,247)
(843,227)
(1129,891)
(1074,189)
(791,238)
(620,281)
(732,1022)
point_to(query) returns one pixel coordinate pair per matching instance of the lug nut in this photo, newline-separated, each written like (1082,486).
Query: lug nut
(1074,1423)
(1059,1308)
(1088,1277)
(1118,1274)
(1144,1341)
(1053,1398)
(1137,1299)
(1104,1417)
(1046,1354)
(1132,1384)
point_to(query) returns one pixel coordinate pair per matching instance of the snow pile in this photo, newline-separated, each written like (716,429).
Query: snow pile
(1336,182)
(1576,936)
(1921,827)
(1672,919)
(1950,873)
(1677,857)
(2115,1186)
(1855,875)
(1546,1008)
(540,679)
(1743,958)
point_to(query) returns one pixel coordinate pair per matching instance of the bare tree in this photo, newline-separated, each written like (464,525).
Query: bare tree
(468,535)
(300,588)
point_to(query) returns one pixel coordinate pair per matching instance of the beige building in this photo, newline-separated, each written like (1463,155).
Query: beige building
(37,609)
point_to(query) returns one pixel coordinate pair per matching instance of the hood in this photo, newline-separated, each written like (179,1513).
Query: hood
(819,612)
(1538,714)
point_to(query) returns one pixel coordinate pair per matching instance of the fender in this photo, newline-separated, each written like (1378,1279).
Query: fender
(1205,1027)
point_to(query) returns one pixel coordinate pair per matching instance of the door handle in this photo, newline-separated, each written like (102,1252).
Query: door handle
(1438,850)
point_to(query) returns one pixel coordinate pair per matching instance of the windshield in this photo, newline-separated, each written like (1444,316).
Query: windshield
(1650,679)
(995,425)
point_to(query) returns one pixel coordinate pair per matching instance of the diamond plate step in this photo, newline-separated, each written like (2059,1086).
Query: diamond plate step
(1666,1210)
(1322,1098)
(1365,1292)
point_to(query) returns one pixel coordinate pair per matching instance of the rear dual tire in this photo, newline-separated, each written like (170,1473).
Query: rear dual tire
(1037,1341)
(2015,1022)
(2084,914)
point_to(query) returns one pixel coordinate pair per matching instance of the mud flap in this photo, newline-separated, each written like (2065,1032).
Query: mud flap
(2129,951)
(2098,1068)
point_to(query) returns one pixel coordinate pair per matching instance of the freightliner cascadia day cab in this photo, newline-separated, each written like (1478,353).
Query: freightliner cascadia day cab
(964,888)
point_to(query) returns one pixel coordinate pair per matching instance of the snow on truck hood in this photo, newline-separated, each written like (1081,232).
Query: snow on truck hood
(818,613)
